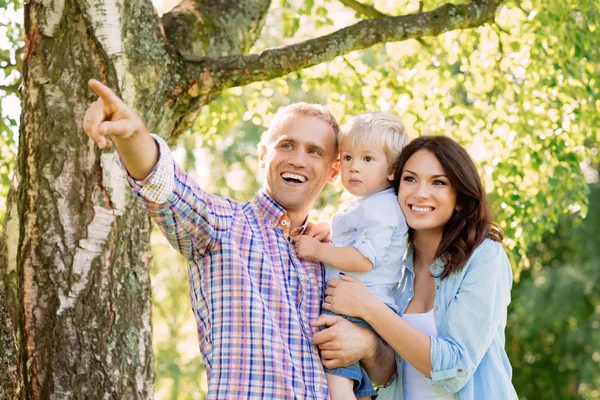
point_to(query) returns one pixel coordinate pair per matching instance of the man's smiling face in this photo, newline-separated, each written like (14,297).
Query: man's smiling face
(299,158)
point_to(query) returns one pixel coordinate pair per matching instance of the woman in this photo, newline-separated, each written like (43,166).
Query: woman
(455,287)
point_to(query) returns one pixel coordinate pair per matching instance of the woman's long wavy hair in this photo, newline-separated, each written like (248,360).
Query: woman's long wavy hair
(472,222)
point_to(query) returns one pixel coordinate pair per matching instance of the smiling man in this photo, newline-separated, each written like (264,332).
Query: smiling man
(253,299)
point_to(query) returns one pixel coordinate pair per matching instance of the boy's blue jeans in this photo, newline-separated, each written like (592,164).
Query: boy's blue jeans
(362,384)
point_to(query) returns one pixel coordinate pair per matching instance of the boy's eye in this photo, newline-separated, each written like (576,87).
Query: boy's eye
(347,158)
(368,159)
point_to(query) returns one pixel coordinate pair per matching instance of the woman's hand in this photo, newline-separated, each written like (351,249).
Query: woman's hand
(343,343)
(348,296)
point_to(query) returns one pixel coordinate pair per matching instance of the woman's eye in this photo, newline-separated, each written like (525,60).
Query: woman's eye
(437,182)
(409,179)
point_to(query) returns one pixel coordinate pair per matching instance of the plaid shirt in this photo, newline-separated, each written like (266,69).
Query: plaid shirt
(253,299)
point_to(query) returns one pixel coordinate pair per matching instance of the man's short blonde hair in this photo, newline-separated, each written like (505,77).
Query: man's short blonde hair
(378,129)
(306,109)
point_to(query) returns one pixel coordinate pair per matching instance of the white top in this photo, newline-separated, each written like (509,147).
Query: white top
(414,384)
(376,227)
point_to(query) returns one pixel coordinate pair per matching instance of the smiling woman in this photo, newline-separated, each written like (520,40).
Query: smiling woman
(455,286)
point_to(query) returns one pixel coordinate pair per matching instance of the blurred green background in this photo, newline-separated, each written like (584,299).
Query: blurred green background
(523,95)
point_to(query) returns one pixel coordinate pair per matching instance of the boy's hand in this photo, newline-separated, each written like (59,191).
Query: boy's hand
(307,247)
(320,230)
(109,116)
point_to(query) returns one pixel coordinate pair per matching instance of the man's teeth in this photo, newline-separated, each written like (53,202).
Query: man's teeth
(422,209)
(293,176)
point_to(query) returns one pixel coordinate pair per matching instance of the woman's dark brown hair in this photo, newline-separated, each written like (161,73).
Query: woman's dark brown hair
(472,222)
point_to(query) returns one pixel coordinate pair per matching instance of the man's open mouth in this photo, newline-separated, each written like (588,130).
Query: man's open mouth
(294,178)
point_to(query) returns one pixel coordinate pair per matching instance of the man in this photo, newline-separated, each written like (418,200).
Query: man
(253,299)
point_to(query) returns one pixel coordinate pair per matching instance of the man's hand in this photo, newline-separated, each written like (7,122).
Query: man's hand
(109,116)
(320,230)
(307,248)
(343,343)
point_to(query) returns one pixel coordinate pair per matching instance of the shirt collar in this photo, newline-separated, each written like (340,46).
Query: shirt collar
(436,268)
(276,216)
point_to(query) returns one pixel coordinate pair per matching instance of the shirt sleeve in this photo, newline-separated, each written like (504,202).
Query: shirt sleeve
(474,317)
(377,222)
(191,219)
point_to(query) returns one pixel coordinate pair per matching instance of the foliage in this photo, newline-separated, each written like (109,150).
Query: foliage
(180,372)
(10,77)
(553,334)
(521,95)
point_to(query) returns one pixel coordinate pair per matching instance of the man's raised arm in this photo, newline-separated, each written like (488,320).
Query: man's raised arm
(110,116)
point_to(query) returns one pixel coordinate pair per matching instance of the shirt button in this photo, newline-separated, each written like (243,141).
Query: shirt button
(436,308)
(437,287)
(317,388)
(434,267)
(460,371)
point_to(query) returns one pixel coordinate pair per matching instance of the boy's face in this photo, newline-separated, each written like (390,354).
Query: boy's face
(365,170)
(299,158)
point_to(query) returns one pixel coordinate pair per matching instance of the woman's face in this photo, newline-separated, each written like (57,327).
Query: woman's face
(426,196)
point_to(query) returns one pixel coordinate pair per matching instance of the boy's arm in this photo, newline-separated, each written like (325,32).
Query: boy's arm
(347,259)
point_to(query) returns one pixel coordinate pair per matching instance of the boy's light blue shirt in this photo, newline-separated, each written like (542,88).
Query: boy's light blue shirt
(468,356)
(376,226)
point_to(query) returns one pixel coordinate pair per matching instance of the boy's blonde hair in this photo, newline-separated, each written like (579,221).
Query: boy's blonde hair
(380,129)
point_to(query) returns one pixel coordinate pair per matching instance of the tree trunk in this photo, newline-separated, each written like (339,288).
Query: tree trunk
(9,383)
(76,253)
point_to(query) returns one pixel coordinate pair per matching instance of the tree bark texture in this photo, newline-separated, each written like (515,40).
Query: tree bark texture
(9,362)
(74,253)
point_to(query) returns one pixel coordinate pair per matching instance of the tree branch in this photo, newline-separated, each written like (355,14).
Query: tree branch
(210,75)
(363,9)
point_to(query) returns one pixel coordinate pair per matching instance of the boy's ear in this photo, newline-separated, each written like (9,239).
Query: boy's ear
(391,176)
(335,171)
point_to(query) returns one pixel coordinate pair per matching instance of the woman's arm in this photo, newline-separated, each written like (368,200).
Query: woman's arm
(472,320)
(350,297)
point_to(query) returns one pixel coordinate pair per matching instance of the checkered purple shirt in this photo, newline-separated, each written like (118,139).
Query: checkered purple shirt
(252,297)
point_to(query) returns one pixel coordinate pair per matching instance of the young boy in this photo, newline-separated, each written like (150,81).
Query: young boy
(369,237)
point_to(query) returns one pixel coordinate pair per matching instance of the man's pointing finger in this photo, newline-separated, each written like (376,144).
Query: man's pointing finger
(109,98)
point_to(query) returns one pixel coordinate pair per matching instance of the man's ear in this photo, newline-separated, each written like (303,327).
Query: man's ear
(335,171)
(262,155)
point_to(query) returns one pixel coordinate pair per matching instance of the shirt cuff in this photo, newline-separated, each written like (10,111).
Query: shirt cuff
(158,186)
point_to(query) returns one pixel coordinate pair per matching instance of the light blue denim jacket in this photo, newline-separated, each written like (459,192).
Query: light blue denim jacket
(468,356)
